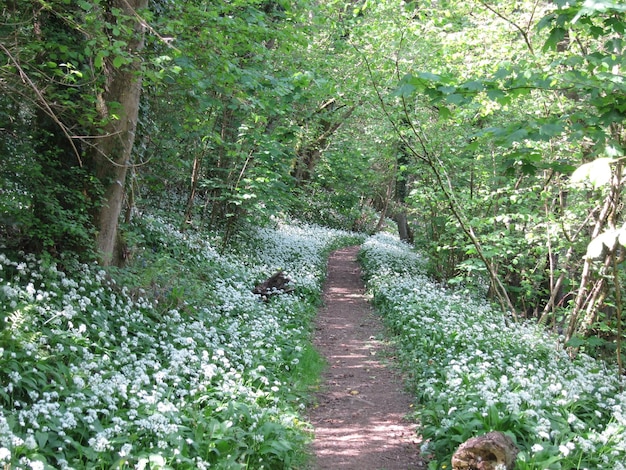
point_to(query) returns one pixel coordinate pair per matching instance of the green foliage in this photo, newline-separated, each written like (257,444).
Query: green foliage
(45,200)
(172,362)
(498,104)
(233,126)
(56,57)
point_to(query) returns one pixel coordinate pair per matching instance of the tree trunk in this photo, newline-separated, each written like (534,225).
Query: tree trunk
(195,177)
(403,226)
(591,292)
(310,153)
(385,207)
(112,152)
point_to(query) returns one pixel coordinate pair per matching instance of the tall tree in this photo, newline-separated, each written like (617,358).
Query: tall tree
(118,108)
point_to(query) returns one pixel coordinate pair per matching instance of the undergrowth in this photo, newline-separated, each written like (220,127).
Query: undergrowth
(473,370)
(171,362)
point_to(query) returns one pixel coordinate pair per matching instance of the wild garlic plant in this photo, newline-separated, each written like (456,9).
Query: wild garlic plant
(473,370)
(170,363)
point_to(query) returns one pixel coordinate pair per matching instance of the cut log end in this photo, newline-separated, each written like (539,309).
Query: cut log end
(491,451)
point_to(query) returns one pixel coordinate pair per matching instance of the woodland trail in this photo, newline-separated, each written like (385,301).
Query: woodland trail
(359,414)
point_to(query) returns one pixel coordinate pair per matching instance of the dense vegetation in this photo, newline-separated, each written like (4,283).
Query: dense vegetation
(489,133)
(172,363)
(473,371)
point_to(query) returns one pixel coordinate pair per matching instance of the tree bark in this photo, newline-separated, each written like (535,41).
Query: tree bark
(195,178)
(112,152)
(491,451)
(590,290)
(310,153)
(385,206)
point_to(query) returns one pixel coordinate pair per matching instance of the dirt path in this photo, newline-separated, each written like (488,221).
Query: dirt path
(359,416)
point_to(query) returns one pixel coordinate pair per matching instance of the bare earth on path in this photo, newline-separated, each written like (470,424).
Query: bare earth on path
(359,416)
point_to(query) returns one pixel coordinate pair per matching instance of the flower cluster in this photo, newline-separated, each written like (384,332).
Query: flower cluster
(474,370)
(173,362)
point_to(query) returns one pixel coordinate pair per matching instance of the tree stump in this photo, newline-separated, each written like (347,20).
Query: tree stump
(275,284)
(491,451)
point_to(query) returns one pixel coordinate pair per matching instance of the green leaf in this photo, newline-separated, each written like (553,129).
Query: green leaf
(455,98)
(556,36)
(517,136)
(591,7)
(98,62)
(408,86)
(575,342)
(118,61)
(447,89)
(551,129)
(596,341)
(429,76)
(597,172)
(546,21)
(475,85)
(42,439)
(405,90)
(498,96)
(444,112)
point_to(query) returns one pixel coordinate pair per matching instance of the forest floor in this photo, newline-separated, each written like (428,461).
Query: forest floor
(360,414)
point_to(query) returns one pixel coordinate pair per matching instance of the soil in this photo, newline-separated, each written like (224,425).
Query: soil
(360,414)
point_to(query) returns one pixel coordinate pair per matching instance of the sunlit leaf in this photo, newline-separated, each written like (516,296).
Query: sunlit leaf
(621,237)
(606,239)
(591,7)
(597,172)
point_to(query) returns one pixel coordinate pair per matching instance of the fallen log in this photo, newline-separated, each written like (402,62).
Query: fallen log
(276,284)
(491,451)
